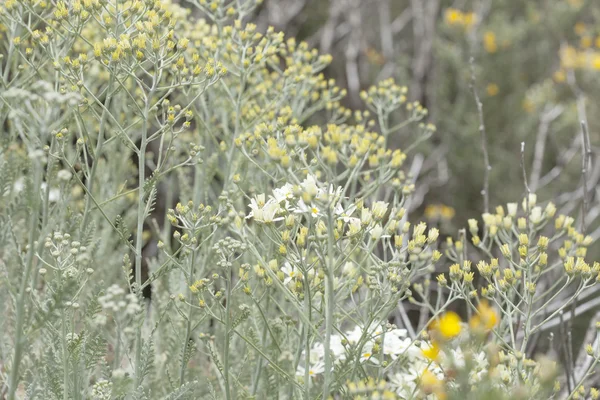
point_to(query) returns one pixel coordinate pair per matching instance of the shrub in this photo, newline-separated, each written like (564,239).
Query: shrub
(188,211)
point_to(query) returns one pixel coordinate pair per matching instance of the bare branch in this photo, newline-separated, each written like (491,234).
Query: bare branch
(486,159)
(546,119)
(585,161)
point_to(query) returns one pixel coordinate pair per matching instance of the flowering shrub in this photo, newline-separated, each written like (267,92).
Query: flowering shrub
(187,210)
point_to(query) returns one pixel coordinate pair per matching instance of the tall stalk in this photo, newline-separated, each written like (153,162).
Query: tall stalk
(329,303)
(21,297)
(227,336)
(189,321)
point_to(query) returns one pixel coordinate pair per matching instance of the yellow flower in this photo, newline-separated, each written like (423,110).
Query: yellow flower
(431,384)
(449,325)
(560,76)
(485,319)
(453,16)
(447,212)
(470,19)
(568,57)
(432,351)
(596,62)
(585,42)
(492,89)
(580,28)
(489,42)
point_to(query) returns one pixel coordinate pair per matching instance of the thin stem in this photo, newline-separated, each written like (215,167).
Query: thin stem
(329,303)
(486,159)
(20,311)
(98,150)
(65,351)
(227,337)
(189,321)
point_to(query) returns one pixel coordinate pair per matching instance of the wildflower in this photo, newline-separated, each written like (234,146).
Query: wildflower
(379,209)
(354,226)
(313,370)
(309,185)
(489,42)
(264,212)
(492,89)
(302,208)
(449,325)
(284,193)
(432,384)
(289,272)
(376,232)
(431,352)
(485,319)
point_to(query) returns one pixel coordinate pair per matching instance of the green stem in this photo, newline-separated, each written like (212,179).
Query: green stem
(227,337)
(263,341)
(141,211)
(307,311)
(329,304)
(98,151)
(189,322)
(65,358)
(20,311)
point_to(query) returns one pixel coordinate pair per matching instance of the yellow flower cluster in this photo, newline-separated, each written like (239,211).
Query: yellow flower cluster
(489,42)
(572,58)
(370,389)
(455,17)
(439,211)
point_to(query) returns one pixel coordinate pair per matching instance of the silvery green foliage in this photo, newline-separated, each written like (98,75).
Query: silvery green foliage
(188,211)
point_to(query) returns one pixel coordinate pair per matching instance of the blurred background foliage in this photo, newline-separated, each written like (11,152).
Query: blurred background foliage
(535,67)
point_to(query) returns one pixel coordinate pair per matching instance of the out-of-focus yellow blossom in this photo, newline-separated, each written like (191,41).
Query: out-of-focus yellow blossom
(439,211)
(580,28)
(492,89)
(431,384)
(485,319)
(456,17)
(448,326)
(585,42)
(489,42)
(432,351)
(559,76)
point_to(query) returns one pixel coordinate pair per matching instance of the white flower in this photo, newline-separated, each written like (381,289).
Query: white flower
(512,209)
(346,214)
(265,213)
(349,269)
(354,226)
(286,192)
(337,348)
(332,194)
(502,372)
(405,383)
(529,202)
(366,353)
(355,335)
(376,232)
(536,215)
(290,273)
(304,209)
(394,346)
(365,216)
(313,370)
(379,208)
(309,185)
